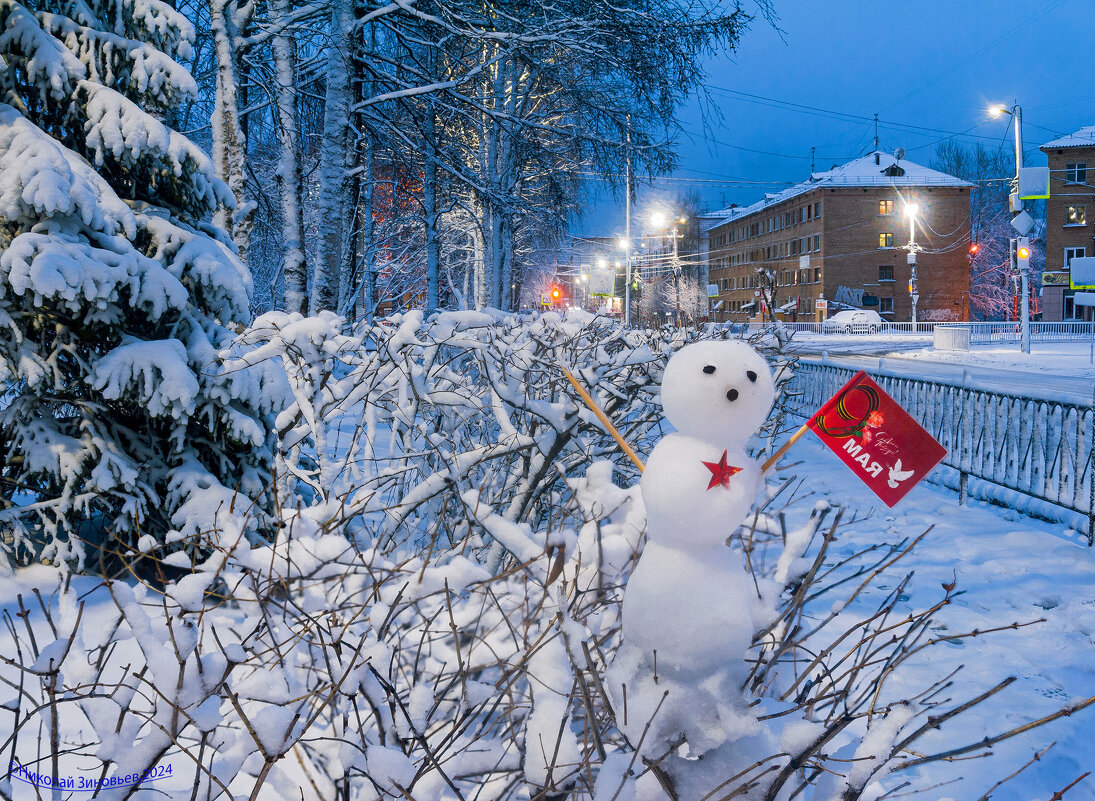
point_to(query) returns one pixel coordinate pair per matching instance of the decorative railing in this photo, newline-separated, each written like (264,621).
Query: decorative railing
(1038,448)
(980,333)
(985,333)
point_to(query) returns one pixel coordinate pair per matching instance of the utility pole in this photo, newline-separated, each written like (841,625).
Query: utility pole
(1015,203)
(1017,208)
(914,291)
(677,275)
(627,223)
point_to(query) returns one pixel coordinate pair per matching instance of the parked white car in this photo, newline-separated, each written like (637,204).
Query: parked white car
(854,321)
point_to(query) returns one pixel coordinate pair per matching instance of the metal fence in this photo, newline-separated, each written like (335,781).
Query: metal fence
(985,333)
(980,333)
(1041,449)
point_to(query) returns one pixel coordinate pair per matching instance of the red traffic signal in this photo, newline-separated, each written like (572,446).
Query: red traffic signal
(555,293)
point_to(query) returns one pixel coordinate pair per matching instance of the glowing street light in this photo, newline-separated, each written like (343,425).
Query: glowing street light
(1016,204)
(911,210)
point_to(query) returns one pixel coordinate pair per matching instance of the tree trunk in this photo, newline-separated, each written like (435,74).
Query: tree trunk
(288,176)
(333,161)
(429,202)
(229,143)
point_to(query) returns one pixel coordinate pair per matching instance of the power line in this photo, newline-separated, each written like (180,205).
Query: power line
(802,108)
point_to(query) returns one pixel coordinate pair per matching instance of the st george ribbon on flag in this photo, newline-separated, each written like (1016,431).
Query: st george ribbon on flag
(877,439)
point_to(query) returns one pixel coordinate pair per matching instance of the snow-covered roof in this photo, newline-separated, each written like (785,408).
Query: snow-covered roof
(874,169)
(1085,137)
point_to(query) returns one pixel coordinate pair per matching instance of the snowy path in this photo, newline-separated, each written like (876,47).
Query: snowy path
(1010,569)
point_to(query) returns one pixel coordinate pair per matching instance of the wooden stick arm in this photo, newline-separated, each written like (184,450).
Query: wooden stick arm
(786,446)
(603,418)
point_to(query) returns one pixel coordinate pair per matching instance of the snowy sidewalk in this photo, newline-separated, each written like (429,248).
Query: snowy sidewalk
(1009,569)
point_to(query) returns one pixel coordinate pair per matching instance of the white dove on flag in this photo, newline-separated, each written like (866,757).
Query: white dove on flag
(897,474)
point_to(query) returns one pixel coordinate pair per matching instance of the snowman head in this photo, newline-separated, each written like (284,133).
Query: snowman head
(719,391)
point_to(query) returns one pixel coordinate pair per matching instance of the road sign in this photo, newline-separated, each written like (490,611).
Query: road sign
(1023,223)
(602,282)
(1082,272)
(1033,183)
(712,290)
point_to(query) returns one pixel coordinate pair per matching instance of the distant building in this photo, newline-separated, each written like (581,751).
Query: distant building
(840,237)
(1068,224)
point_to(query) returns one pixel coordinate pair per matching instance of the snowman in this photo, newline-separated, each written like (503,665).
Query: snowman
(688,606)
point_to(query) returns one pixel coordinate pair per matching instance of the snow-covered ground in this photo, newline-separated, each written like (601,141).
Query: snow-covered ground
(1009,569)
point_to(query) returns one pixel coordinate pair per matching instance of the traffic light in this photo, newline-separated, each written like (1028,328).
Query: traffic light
(1022,252)
(974,247)
(555,294)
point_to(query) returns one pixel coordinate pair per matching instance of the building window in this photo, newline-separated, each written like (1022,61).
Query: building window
(817,210)
(817,242)
(1075,215)
(885,207)
(817,275)
(802,214)
(885,240)
(885,305)
(1076,173)
(1074,253)
(885,272)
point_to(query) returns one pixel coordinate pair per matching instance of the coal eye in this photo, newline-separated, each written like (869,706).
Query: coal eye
(751,375)
(709,369)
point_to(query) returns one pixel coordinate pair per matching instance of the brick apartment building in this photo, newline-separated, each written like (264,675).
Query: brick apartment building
(1068,220)
(841,236)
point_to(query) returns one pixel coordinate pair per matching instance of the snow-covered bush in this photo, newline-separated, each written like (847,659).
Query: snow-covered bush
(427,623)
(392,426)
(116,419)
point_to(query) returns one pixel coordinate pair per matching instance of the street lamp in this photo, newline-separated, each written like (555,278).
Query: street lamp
(1016,205)
(911,210)
(659,221)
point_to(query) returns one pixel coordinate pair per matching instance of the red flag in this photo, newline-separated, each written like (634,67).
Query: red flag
(870,432)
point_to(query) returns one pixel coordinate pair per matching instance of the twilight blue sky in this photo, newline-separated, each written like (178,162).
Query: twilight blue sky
(935,64)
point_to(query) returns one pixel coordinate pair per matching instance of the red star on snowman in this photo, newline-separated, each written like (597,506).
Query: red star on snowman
(721,472)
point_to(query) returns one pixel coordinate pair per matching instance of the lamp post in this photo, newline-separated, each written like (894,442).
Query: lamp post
(658,220)
(1016,204)
(911,210)
(625,246)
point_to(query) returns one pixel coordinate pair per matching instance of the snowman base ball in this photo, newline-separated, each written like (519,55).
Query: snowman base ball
(663,711)
(691,617)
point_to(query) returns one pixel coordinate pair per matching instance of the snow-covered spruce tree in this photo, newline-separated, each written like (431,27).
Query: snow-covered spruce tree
(116,420)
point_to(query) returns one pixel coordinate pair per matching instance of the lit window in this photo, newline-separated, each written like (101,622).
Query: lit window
(885,240)
(885,305)
(885,207)
(1075,215)
(1076,173)
(885,272)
